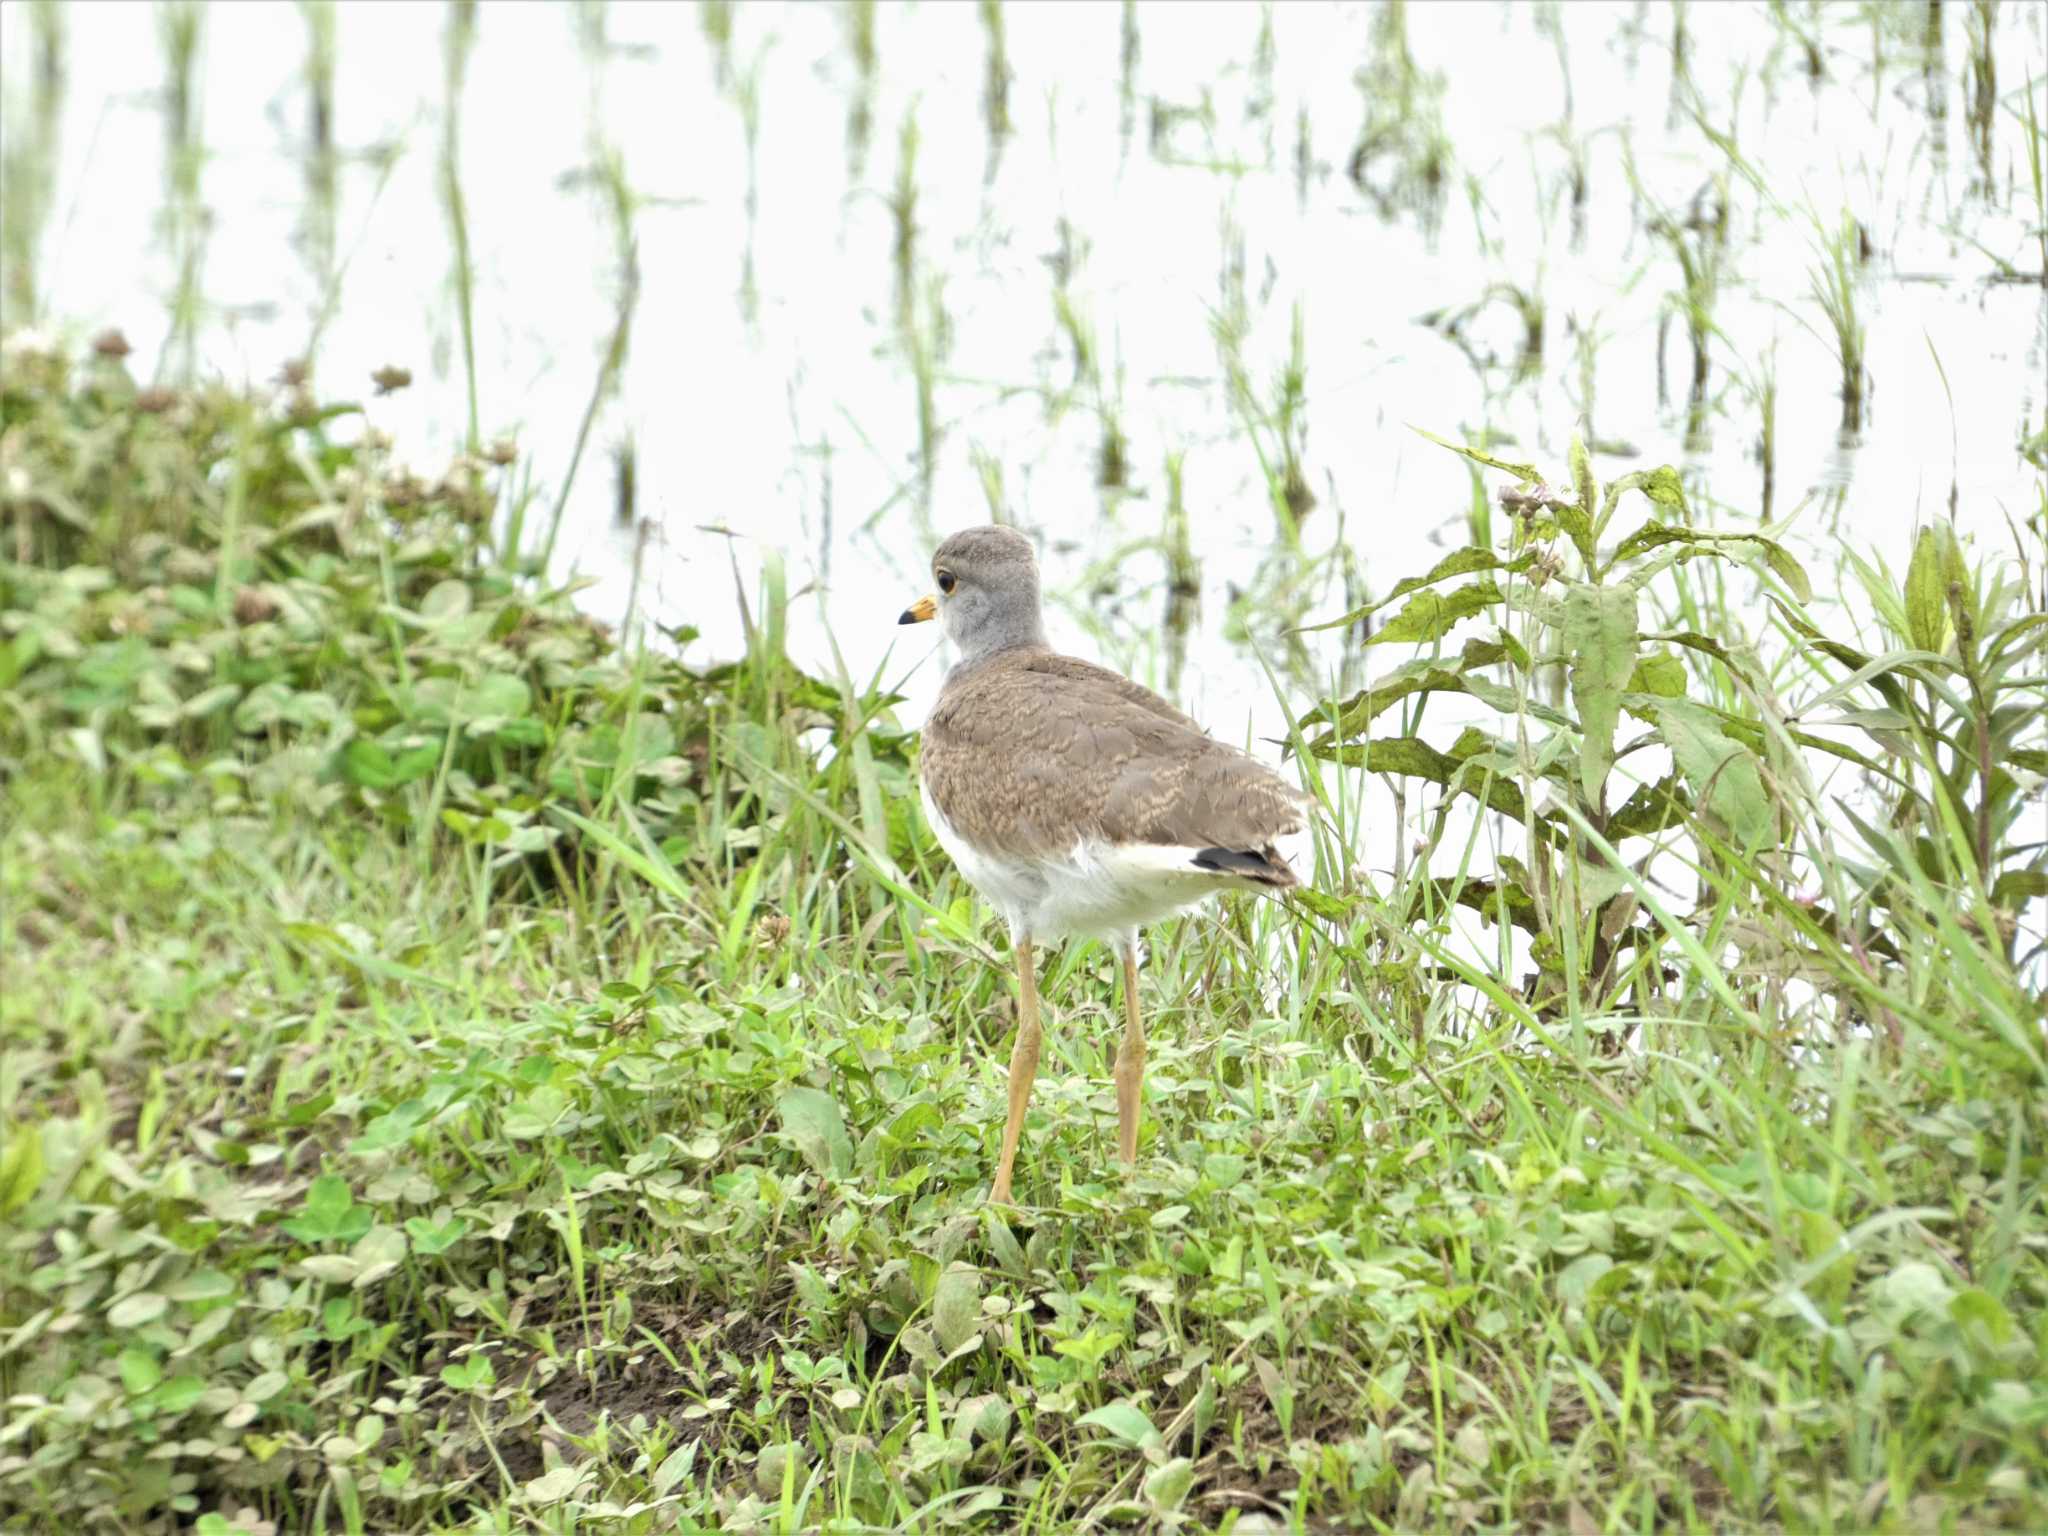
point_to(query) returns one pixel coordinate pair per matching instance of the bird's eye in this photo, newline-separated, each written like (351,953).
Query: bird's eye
(945,581)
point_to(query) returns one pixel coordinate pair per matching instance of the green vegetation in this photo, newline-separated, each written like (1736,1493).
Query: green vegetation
(460,1076)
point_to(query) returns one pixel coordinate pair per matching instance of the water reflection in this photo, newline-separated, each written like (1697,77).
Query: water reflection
(839,281)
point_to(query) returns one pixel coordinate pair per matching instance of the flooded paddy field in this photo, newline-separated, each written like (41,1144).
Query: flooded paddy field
(487,1039)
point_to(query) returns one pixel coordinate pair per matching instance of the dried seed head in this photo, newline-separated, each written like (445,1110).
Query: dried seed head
(28,346)
(111,344)
(390,378)
(254,606)
(772,930)
(402,488)
(296,373)
(503,452)
(155,400)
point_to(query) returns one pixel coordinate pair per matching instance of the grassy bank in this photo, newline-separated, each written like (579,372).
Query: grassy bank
(458,1076)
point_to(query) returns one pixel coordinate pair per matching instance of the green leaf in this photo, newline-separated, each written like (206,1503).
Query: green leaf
(1461,562)
(21,1168)
(811,1119)
(1665,487)
(1430,614)
(1522,472)
(675,1467)
(444,601)
(956,1306)
(536,1113)
(470,1374)
(1582,477)
(1167,1485)
(1412,757)
(1927,616)
(1579,1277)
(331,1213)
(2016,887)
(139,1370)
(1123,1419)
(138,1309)
(1661,674)
(1655,534)
(174,1396)
(1600,633)
(1787,569)
(367,763)
(1723,775)
(1652,808)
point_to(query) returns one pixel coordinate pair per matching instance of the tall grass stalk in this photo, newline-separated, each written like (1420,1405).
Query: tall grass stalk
(1832,284)
(995,91)
(620,203)
(860,112)
(320,156)
(458,39)
(29,151)
(180,26)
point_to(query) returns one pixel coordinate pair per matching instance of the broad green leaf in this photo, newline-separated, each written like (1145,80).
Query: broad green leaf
(133,1311)
(1787,569)
(200,1285)
(1655,534)
(2016,887)
(139,1370)
(211,702)
(1124,1419)
(1927,616)
(1600,633)
(1167,1485)
(1722,773)
(470,1374)
(1664,486)
(1428,615)
(174,1396)
(1977,1306)
(367,763)
(1412,757)
(331,1213)
(444,601)
(1461,562)
(1915,1286)
(1659,673)
(554,1486)
(1582,477)
(1577,521)
(956,1306)
(1579,1277)
(675,1467)
(811,1119)
(535,1113)
(1652,808)
(21,1168)
(986,1417)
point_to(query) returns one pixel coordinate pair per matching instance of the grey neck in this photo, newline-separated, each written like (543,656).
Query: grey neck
(995,621)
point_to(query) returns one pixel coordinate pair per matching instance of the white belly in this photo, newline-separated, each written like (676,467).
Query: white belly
(1100,889)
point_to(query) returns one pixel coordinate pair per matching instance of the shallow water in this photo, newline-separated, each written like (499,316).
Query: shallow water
(769,392)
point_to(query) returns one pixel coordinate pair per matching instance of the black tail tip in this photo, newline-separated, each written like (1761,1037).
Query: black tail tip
(1261,864)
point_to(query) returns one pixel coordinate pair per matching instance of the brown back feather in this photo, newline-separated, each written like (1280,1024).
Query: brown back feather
(1030,749)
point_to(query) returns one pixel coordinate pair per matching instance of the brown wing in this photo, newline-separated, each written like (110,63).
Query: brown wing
(1029,751)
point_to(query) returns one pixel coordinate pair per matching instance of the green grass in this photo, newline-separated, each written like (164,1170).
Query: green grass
(460,1077)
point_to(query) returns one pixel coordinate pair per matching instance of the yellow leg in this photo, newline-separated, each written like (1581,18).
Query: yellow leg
(1130,1063)
(1023,1068)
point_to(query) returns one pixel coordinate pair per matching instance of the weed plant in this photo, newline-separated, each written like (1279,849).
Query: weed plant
(459,1075)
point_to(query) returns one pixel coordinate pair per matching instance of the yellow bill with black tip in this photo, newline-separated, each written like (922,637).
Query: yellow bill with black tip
(926,607)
